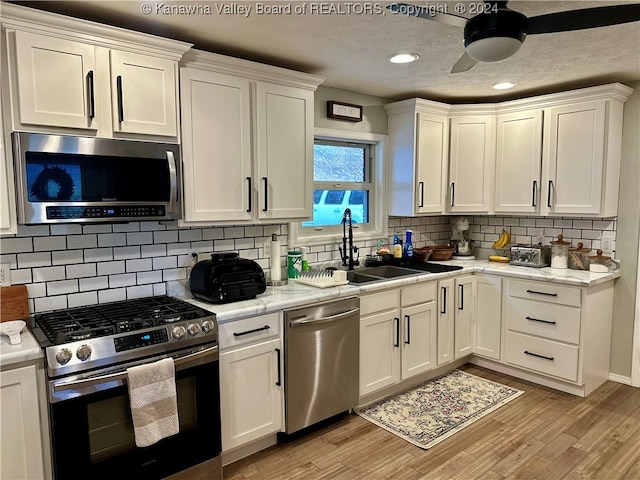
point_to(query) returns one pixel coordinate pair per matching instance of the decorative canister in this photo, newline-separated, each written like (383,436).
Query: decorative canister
(294,263)
(579,257)
(560,253)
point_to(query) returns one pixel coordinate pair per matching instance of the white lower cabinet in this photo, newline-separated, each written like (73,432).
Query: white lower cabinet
(251,380)
(446,322)
(21,432)
(488,320)
(464,311)
(398,335)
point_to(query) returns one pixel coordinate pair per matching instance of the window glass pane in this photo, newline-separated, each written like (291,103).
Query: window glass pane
(338,163)
(330,209)
(334,197)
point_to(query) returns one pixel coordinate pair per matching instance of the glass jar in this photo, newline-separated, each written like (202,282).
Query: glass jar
(599,263)
(560,253)
(579,257)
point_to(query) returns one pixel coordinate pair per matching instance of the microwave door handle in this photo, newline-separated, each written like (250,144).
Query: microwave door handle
(122,375)
(173,181)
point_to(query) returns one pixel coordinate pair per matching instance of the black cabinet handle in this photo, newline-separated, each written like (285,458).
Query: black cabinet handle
(249,188)
(543,293)
(421,185)
(549,193)
(443,310)
(461,302)
(266,194)
(550,322)
(453,193)
(120,102)
(538,355)
(408,340)
(396,342)
(535,191)
(266,327)
(279,382)
(92,105)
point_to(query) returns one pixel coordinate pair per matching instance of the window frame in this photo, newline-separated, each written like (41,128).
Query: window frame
(376,227)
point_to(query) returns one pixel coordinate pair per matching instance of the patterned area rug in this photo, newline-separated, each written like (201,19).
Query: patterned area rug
(429,413)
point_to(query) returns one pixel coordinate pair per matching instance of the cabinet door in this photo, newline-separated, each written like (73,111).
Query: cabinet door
(216,146)
(518,162)
(472,163)
(20,439)
(446,325)
(574,158)
(432,136)
(418,339)
(285,152)
(488,319)
(55,82)
(464,308)
(250,397)
(379,351)
(143,92)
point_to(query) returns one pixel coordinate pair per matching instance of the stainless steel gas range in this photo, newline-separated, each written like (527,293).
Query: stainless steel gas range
(88,351)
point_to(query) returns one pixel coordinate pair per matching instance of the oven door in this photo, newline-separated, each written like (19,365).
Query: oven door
(92,429)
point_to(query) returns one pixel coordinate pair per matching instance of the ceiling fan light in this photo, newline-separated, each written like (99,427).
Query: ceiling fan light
(493,49)
(404,58)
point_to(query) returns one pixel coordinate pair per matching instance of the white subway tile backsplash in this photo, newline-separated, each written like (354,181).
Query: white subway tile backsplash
(36,290)
(66,257)
(30,260)
(168,236)
(44,304)
(193,235)
(174,274)
(149,277)
(81,270)
(20,277)
(153,251)
(98,255)
(160,263)
(151,226)
(202,247)
(65,229)
(112,240)
(212,234)
(139,265)
(112,295)
(123,280)
(233,232)
(102,228)
(61,287)
(47,244)
(111,268)
(82,241)
(16,245)
(82,299)
(95,283)
(140,291)
(178,248)
(160,289)
(126,227)
(223,245)
(48,274)
(124,253)
(140,238)
(33,231)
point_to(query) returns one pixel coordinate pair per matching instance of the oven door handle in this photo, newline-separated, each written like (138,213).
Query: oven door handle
(122,376)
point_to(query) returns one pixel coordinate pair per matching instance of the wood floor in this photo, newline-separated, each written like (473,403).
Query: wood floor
(543,434)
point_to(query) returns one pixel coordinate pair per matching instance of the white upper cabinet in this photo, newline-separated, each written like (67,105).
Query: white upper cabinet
(56,82)
(74,77)
(145,94)
(518,162)
(247,142)
(8,221)
(472,163)
(418,157)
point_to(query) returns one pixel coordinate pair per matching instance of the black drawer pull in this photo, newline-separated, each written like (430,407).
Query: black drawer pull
(443,310)
(535,190)
(266,327)
(279,382)
(408,340)
(461,302)
(421,185)
(120,100)
(249,189)
(538,355)
(543,293)
(550,322)
(396,342)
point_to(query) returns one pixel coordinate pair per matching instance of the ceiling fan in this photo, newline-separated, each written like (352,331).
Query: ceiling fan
(497,32)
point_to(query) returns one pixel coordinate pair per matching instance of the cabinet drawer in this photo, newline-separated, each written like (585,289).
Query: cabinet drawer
(249,330)
(544,356)
(556,322)
(420,293)
(545,292)
(378,302)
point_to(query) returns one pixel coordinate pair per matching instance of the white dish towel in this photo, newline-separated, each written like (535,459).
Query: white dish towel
(154,406)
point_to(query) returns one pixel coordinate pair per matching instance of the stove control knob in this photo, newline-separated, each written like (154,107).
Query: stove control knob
(208,326)
(83,352)
(178,332)
(193,329)
(63,356)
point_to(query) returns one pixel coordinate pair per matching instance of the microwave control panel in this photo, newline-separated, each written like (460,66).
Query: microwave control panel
(71,212)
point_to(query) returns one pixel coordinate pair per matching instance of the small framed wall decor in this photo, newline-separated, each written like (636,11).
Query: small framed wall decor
(344,111)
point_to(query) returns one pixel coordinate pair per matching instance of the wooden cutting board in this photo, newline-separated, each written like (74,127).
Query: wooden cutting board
(14,304)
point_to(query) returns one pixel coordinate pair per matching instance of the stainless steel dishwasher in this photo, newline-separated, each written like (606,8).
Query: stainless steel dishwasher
(322,344)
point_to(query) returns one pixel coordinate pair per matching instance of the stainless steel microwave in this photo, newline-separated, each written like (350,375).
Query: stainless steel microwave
(70,179)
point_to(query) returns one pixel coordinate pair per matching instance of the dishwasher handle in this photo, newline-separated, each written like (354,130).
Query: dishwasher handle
(331,318)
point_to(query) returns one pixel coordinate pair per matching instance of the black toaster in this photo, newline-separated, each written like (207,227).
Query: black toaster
(226,278)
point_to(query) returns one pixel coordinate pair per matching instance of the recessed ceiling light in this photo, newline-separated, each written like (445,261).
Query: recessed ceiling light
(404,58)
(503,85)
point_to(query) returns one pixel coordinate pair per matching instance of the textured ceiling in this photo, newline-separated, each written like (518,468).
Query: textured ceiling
(351,50)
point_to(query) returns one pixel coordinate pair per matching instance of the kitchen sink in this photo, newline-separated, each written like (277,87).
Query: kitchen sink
(377,274)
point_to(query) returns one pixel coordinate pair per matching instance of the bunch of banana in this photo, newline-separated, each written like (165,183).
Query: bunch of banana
(503,240)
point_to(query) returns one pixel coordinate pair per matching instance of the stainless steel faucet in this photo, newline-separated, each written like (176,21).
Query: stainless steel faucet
(347,260)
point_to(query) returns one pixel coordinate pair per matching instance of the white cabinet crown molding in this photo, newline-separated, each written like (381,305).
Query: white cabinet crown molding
(247,69)
(61,26)
(417,104)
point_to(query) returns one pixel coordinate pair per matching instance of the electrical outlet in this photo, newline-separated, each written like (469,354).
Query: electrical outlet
(267,249)
(606,243)
(5,274)
(539,240)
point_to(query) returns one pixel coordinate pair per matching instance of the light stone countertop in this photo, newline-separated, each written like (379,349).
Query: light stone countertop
(295,295)
(27,351)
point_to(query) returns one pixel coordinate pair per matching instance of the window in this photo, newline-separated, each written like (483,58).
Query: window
(347,173)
